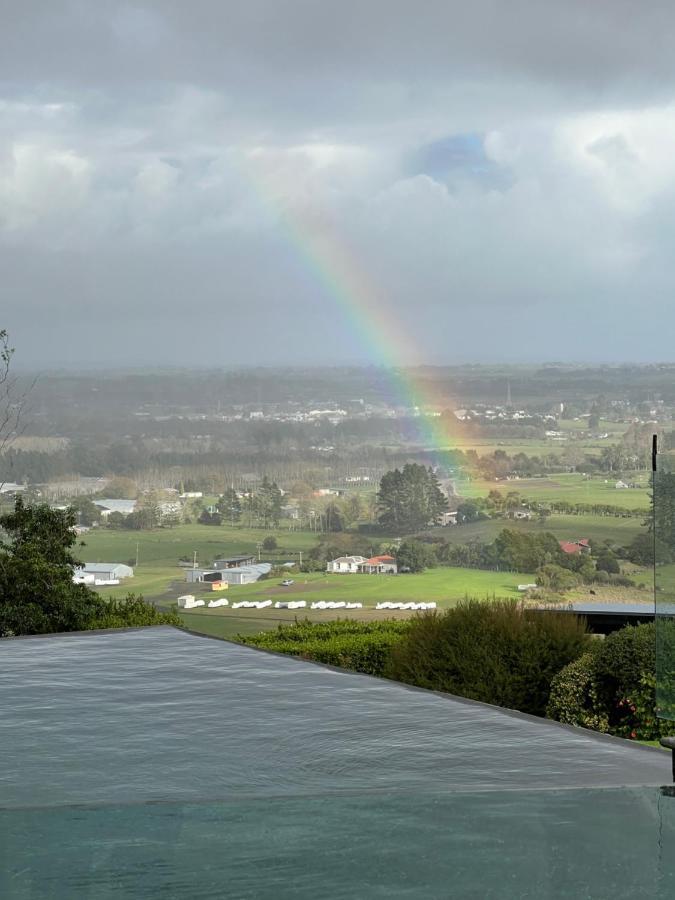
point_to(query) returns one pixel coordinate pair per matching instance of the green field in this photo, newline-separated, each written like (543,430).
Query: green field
(572,487)
(160,550)
(159,577)
(616,529)
(445,585)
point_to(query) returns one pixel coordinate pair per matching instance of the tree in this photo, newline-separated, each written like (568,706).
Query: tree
(542,514)
(469,511)
(607,562)
(121,488)
(86,511)
(37,593)
(229,506)
(270,543)
(11,399)
(208,518)
(267,502)
(335,520)
(414,556)
(353,509)
(556,578)
(410,498)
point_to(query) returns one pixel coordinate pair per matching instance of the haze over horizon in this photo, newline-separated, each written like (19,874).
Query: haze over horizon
(501,176)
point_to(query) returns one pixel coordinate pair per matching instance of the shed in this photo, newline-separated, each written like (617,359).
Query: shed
(106,571)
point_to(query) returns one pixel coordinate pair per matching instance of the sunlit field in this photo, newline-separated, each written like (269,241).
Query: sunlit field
(572,487)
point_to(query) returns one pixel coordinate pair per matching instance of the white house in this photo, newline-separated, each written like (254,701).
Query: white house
(345,565)
(379,565)
(448,518)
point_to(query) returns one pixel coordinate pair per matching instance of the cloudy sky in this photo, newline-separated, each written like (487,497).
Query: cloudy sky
(286,181)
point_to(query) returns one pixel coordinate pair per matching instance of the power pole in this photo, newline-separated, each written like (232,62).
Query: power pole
(259,546)
(194,560)
(136,554)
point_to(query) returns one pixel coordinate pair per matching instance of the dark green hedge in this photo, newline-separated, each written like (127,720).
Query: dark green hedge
(499,652)
(131,612)
(362,646)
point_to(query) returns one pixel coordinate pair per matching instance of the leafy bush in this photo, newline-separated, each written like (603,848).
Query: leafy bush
(574,697)
(362,646)
(614,688)
(270,543)
(414,556)
(132,612)
(556,578)
(498,652)
(607,562)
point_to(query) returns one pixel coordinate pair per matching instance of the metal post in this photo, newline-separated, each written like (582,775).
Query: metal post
(669,744)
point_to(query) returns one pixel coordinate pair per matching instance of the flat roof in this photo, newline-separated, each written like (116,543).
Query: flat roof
(227,716)
(160,763)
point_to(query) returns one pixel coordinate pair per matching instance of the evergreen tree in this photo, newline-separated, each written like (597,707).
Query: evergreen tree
(229,506)
(335,520)
(410,498)
(267,502)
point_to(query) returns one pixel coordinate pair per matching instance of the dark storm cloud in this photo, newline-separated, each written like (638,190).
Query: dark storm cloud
(499,169)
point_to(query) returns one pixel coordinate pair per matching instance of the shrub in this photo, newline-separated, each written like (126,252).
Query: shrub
(270,543)
(498,652)
(556,578)
(414,556)
(574,697)
(614,688)
(362,646)
(607,562)
(131,612)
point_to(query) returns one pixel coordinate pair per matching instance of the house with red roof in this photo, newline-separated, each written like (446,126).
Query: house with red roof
(379,565)
(572,547)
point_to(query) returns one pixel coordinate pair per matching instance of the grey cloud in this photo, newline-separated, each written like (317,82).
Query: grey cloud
(499,172)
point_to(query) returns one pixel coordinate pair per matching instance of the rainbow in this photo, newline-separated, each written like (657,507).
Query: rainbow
(336,267)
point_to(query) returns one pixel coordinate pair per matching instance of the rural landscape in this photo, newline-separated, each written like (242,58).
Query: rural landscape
(540,495)
(337,450)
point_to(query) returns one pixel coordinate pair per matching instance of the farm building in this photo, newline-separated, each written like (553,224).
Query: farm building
(9,488)
(345,565)
(105,571)
(234,562)
(233,575)
(379,565)
(123,507)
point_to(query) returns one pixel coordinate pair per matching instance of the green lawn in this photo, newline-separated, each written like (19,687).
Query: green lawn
(446,586)
(602,528)
(159,551)
(572,487)
(164,546)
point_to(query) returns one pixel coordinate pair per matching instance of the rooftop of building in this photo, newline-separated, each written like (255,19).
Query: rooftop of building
(172,764)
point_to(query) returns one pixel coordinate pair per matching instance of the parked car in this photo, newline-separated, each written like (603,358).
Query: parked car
(287,582)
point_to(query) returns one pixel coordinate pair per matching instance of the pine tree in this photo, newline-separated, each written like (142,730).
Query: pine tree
(229,506)
(410,499)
